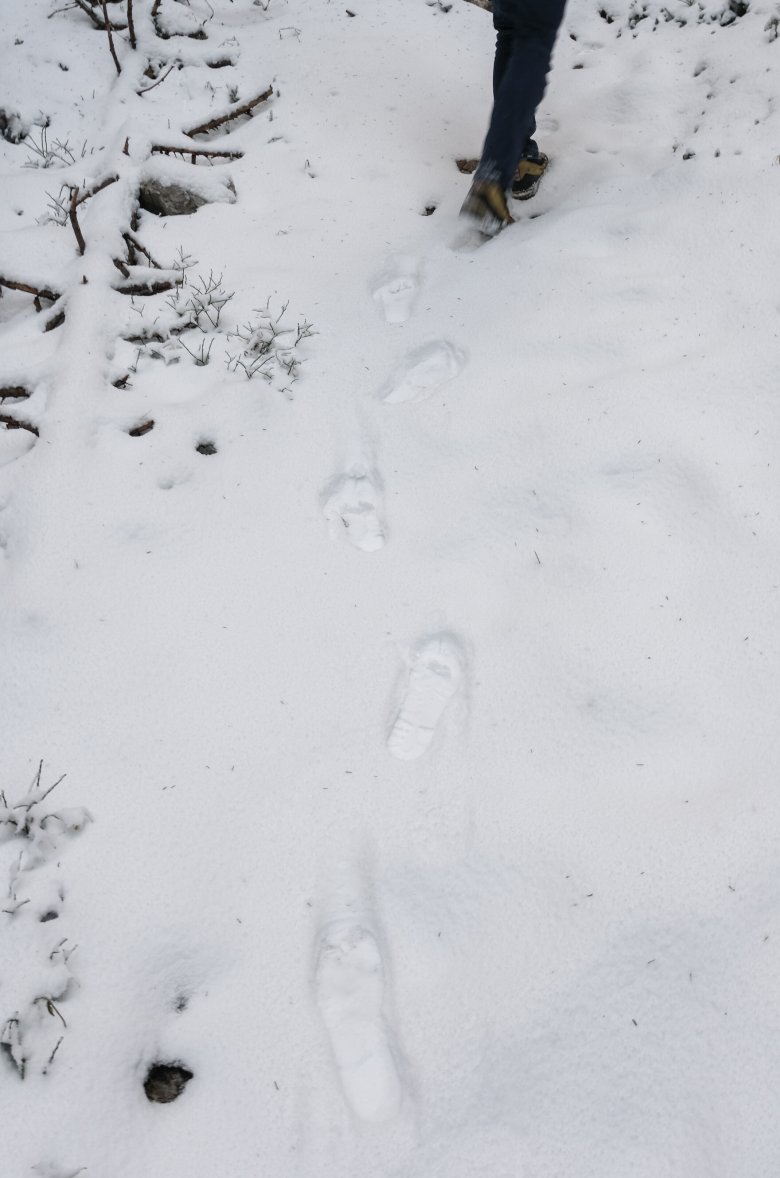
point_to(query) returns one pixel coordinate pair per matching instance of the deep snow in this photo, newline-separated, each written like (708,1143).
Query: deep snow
(427,728)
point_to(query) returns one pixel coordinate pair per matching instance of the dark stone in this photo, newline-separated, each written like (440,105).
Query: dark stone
(206,448)
(169,200)
(165,1081)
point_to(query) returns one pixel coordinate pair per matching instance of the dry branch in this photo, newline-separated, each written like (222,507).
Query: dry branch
(55,320)
(110,38)
(135,246)
(246,108)
(74,221)
(15,423)
(96,19)
(147,288)
(96,188)
(41,292)
(157,83)
(131,24)
(208,152)
(14,392)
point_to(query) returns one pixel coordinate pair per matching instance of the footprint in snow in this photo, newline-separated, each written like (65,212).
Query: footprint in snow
(349,990)
(423,370)
(395,289)
(352,503)
(434,678)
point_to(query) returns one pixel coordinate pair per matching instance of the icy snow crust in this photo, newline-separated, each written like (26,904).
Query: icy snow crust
(429,726)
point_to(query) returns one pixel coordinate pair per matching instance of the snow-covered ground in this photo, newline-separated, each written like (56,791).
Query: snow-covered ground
(422,689)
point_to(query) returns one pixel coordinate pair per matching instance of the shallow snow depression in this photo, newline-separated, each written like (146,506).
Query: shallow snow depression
(403,617)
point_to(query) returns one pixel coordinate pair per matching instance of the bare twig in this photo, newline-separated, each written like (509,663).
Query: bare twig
(110,38)
(14,393)
(246,108)
(130,24)
(157,83)
(74,221)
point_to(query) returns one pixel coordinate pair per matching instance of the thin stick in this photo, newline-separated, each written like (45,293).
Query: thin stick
(110,38)
(159,80)
(130,24)
(74,221)
(245,109)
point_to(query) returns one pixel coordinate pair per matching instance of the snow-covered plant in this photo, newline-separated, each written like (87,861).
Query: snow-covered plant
(46,153)
(270,348)
(37,974)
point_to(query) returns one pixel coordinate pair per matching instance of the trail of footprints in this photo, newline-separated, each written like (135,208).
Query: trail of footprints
(350,973)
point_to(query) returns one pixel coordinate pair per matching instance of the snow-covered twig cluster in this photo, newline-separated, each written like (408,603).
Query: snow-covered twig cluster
(38,976)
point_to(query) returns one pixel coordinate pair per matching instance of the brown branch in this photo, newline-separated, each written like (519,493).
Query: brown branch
(14,392)
(133,244)
(14,423)
(42,292)
(146,288)
(157,83)
(54,317)
(208,152)
(74,221)
(121,267)
(110,38)
(245,109)
(131,25)
(96,188)
(97,22)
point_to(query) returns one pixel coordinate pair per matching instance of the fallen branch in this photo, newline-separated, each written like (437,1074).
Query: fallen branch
(134,245)
(54,321)
(208,152)
(131,25)
(15,392)
(41,292)
(245,109)
(146,288)
(95,189)
(14,423)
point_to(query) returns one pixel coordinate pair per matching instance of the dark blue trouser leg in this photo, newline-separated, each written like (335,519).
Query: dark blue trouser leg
(525,36)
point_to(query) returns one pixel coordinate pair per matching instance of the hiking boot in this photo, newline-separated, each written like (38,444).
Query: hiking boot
(486,207)
(529,172)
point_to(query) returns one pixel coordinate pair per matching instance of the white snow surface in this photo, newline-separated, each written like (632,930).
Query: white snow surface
(428,728)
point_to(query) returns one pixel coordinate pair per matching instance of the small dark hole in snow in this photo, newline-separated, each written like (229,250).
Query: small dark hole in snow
(206,448)
(165,1081)
(429,210)
(143,427)
(181,1003)
(51,915)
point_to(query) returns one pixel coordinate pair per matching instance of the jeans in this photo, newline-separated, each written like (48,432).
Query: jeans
(525,36)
